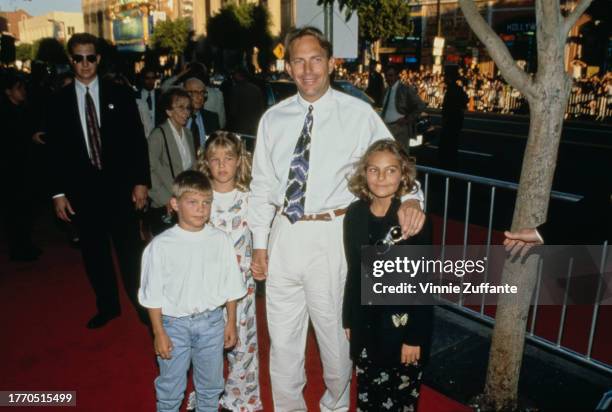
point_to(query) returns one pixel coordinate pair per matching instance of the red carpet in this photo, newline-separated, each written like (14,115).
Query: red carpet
(43,310)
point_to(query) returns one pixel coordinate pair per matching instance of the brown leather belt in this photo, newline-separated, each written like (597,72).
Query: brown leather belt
(323,216)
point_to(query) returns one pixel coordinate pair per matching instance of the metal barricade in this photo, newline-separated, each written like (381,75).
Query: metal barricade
(493,185)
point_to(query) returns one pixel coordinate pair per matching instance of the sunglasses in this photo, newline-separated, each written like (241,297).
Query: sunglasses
(78,58)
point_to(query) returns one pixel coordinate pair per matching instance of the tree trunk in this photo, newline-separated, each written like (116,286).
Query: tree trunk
(505,357)
(547,95)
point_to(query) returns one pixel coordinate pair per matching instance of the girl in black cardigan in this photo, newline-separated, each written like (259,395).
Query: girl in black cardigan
(389,344)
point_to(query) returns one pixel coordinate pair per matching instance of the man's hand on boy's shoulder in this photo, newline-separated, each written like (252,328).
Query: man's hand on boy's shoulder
(163,345)
(230,335)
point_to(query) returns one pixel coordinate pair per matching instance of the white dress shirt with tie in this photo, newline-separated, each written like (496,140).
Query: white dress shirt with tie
(81,91)
(307,267)
(343,128)
(144,95)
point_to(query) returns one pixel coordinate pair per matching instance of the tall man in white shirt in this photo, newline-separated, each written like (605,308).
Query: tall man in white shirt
(306,145)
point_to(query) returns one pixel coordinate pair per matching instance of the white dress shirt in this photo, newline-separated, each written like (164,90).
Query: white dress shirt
(94,91)
(215,103)
(343,128)
(392,115)
(181,143)
(186,273)
(144,93)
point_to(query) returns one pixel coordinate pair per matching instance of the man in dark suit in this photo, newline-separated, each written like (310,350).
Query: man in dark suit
(202,122)
(149,95)
(99,174)
(401,107)
(454,103)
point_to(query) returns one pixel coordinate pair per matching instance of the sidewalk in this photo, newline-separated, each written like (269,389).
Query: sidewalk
(548,383)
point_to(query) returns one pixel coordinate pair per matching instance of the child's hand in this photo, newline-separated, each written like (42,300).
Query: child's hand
(163,345)
(230,336)
(347,332)
(410,354)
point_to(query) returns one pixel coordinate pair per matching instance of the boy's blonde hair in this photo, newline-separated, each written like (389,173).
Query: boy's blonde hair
(231,141)
(358,184)
(190,181)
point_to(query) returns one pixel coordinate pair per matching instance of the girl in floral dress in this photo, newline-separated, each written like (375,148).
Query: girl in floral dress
(227,163)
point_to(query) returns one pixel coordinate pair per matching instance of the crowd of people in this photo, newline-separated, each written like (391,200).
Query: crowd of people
(590,98)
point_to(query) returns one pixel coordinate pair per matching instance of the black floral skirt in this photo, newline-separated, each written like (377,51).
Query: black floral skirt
(386,389)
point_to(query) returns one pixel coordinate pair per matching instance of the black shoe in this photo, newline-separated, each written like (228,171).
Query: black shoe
(100,319)
(75,242)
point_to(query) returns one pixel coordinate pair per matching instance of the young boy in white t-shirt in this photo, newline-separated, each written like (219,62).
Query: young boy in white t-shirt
(189,272)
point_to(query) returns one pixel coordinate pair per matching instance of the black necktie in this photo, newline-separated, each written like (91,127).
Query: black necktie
(149,101)
(93,131)
(195,131)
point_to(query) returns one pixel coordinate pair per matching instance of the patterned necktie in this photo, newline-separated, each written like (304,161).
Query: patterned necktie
(195,131)
(93,131)
(295,195)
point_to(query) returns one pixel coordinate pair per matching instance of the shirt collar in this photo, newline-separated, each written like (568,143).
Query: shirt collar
(93,86)
(321,103)
(174,131)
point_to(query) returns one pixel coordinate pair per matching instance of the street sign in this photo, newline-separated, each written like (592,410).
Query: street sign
(279,51)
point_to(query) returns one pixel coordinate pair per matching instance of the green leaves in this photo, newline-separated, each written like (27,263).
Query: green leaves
(378,19)
(172,35)
(240,27)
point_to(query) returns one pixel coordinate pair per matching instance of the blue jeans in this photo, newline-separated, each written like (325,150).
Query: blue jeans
(198,339)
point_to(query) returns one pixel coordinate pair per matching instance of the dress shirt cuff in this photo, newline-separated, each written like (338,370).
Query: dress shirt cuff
(260,239)
(59,195)
(417,194)
(539,236)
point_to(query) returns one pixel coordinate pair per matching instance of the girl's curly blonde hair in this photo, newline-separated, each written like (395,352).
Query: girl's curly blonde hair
(358,184)
(231,141)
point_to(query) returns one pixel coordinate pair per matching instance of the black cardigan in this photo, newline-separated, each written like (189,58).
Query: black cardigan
(372,326)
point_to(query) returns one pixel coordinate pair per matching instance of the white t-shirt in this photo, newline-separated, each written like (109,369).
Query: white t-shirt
(185,273)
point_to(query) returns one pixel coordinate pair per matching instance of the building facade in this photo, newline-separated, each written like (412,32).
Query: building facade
(9,21)
(57,24)
(99,15)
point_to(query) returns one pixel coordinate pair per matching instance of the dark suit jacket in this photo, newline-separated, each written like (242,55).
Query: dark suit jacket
(211,121)
(372,326)
(408,102)
(125,161)
(586,222)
